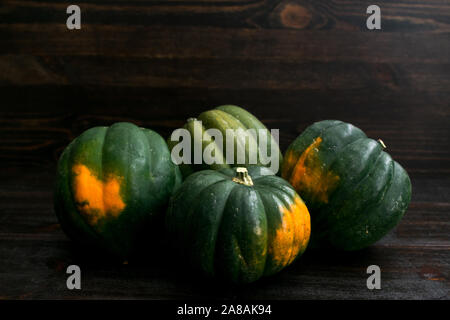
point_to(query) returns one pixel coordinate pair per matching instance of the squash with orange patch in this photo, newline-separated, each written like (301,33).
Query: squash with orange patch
(238,224)
(227,119)
(111,183)
(354,190)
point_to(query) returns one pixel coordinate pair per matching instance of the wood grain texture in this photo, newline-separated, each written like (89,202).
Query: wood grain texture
(156,63)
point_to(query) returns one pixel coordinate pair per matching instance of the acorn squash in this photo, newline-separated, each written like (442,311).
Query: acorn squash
(223,118)
(111,182)
(354,190)
(238,224)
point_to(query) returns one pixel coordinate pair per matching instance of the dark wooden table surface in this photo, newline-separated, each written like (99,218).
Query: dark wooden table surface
(157,63)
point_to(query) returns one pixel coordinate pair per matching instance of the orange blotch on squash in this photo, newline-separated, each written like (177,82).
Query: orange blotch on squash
(95,198)
(309,176)
(292,236)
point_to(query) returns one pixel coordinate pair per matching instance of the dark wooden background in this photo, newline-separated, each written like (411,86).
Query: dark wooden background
(156,63)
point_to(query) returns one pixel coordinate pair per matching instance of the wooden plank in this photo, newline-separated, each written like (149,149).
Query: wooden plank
(39,272)
(402,16)
(197,42)
(220,73)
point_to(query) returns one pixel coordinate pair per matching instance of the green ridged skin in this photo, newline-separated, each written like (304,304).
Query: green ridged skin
(234,231)
(354,190)
(223,118)
(111,183)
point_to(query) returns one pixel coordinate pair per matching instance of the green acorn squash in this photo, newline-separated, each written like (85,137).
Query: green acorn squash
(223,118)
(110,183)
(238,225)
(354,190)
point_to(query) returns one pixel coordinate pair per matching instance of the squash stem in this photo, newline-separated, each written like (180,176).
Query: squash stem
(243,177)
(382,143)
